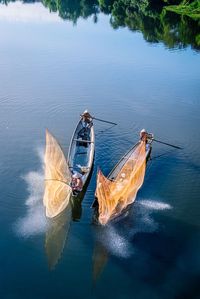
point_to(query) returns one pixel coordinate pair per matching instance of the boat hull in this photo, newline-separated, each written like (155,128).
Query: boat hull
(81,151)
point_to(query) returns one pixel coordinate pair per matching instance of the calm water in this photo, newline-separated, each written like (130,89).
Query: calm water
(50,71)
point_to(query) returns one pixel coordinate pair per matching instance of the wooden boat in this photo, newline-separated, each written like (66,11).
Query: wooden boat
(81,151)
(59,172)
(116,170)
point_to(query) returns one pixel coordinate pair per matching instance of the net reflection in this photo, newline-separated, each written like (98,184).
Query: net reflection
(99,259)
(56,236)
(58,231)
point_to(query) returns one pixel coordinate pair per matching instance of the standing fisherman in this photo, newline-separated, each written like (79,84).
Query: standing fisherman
(87,119)
(146,137)
(143,135)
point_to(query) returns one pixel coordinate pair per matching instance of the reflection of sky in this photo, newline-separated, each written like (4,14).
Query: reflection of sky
(19,12)
(50,71)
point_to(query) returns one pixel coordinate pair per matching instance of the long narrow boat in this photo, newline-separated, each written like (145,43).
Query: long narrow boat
(114,172)
(81,151)
(122,183)
(59,172)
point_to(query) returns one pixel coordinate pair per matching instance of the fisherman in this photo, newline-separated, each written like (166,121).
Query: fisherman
(146,137)
(87,119)
(76,183)
(143,135)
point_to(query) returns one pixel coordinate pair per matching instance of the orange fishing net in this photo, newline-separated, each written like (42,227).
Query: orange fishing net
(57,178)
(114,195)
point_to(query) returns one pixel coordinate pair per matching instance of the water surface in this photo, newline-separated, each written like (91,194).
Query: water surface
(51,69)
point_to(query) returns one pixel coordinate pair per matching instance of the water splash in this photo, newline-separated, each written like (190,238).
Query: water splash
(155,205)
(115,243)
(117,238)
(144,221)
(34,222)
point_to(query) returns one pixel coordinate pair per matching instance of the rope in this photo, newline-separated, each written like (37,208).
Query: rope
(58,181)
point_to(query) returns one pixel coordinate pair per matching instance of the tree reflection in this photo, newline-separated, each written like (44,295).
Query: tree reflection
(72,10)
(147,16)
(150,17)
(156,24)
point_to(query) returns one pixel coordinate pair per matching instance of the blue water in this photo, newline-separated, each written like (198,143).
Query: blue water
(50,71)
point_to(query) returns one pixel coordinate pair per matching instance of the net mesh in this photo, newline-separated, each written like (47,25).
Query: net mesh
(114,195)
(57,178)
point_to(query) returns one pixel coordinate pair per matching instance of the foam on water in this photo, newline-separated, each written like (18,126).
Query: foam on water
(144,221)
(115,243)
(34,222)
(118,240)
(155,205)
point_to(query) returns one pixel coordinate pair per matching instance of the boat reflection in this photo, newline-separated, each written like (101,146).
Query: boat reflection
(76,208)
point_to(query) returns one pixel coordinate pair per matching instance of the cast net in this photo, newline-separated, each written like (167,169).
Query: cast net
(115,195)
(57,178)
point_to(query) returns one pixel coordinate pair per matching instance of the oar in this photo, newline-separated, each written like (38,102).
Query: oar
(104,121)
(175,146)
